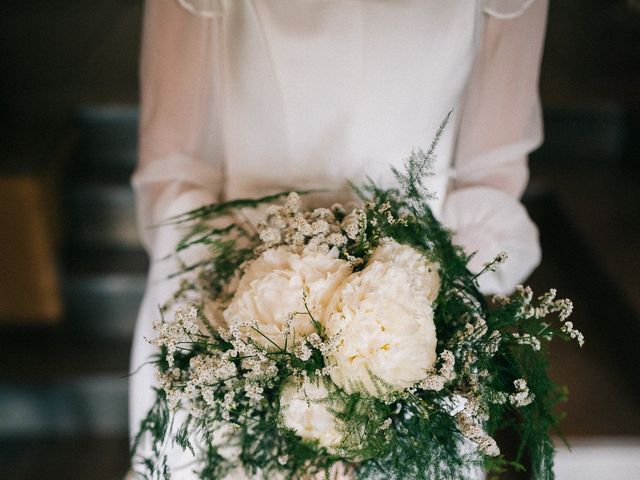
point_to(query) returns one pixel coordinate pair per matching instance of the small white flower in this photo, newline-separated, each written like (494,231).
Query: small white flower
(293,203)
(229,402)
(500,299)
(446,373)
(318,244)
(354,261)
(433,382)
(172,334)
(499,259)
(271,236)
(319,227)
(386,424)
(273,210)
(564,307)
(473,330)
(301,224)
(324,213)
(527,339)
(188,320)
(523,396)
(448,363)
(525,292)
(297,238)
(302,350)
(352,225)
(493,343)
(315,341)
(567,328)
(254,391)
(384,207)
(475,433)
(498,398)
(390,218)
(476,409)
(336,239)
(488,446)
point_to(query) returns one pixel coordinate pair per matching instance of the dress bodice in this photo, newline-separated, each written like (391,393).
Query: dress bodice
(316,92)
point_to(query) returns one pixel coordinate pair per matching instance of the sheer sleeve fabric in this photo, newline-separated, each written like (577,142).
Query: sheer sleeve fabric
(180,161)
(180,168)
(501,123)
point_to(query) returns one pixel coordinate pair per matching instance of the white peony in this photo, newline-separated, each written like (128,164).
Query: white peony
(385,318)
(424,272)
(304,410)
(272,287)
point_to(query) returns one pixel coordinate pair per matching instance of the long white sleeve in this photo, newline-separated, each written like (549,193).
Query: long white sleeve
(180,166)
(180,159)
(501,123)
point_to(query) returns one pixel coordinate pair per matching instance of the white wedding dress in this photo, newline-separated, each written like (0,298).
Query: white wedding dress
(249,97)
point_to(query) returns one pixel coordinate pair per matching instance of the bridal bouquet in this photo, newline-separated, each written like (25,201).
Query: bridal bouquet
(348,342)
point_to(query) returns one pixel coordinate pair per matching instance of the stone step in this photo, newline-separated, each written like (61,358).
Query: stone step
(108,141)
(31,355)
(103,305)
(101,215)
(78,457)
(59,382)
(102,290)
(89,405)
(594,133)
(96,260)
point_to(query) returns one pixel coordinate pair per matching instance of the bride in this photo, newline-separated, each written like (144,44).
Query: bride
(249,97)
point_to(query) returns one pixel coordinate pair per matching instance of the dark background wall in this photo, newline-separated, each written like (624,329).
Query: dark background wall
(72,270)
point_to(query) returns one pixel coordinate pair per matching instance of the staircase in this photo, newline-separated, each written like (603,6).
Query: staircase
(65,388)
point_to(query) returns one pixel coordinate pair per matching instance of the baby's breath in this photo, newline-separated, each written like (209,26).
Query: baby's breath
(221,382)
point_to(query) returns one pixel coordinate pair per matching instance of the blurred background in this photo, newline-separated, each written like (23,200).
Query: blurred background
(72,270)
